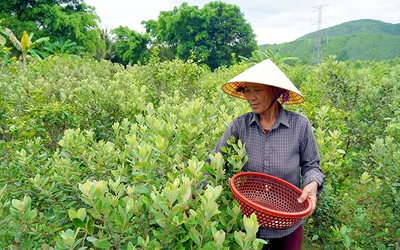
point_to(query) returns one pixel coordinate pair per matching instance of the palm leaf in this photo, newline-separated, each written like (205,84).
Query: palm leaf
(40,41)
(2,40)
(14,39)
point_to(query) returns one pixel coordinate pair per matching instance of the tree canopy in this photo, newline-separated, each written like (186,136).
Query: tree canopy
(65,19)
(131,46)
(211,34)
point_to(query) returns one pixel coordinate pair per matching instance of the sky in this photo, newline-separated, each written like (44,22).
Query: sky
(273,22)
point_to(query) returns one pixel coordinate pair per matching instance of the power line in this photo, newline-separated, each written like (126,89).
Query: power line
(317,52)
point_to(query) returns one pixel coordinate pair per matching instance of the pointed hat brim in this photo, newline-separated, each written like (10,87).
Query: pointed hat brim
(267,73)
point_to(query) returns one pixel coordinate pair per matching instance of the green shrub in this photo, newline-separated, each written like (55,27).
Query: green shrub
(97,156)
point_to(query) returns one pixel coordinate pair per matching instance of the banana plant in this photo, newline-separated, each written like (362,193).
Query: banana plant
(61,48)
(4,51)
(26,46)
(2,39)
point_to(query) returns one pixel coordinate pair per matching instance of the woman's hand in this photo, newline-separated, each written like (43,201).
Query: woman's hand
(310,191)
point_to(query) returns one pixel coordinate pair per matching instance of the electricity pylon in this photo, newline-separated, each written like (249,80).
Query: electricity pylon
(317,52)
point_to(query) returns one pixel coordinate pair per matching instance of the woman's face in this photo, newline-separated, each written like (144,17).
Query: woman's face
(259,96)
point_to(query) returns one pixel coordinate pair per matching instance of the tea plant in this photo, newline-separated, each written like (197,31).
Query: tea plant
(94,155)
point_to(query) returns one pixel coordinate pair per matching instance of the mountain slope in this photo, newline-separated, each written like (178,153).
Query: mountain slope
(354,40)
(363,26)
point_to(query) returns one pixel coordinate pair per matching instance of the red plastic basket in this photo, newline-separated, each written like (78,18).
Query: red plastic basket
(273,200)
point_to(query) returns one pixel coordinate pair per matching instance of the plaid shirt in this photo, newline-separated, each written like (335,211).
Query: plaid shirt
(289,151)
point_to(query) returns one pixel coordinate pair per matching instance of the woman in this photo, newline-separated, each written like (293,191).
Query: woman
(278,142)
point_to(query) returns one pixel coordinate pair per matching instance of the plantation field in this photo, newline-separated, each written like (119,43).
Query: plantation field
(97,156)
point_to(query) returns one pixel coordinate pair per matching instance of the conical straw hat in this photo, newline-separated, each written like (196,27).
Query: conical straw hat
(267,73)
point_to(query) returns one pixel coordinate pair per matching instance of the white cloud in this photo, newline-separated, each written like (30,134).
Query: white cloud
(272,21)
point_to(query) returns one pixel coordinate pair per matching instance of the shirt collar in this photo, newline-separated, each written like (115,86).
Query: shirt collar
(281,119)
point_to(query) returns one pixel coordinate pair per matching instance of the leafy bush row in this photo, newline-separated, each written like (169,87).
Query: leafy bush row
(96,155)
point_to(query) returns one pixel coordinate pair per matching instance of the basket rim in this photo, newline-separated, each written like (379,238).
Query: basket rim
(260,208)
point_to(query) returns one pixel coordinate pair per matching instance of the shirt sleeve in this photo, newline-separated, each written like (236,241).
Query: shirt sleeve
(310,159)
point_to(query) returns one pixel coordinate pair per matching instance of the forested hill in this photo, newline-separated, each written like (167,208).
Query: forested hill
(364,26)
(355,40)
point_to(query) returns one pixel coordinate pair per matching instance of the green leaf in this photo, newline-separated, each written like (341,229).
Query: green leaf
(90,226)
(32,214)
(99,205)
(343,230)
(397,234)
(240,238)
(141,189)
(78,223)
(71,214)
(91,239)
(347,241)
(211,210)
(68,237)
(129,246)
(103,244)
(15,212)
(120,221)
(248,223)
(335,231)
(15,225)
(195,235)
(162,204)
(219,236)
(85,188)
(251,224)
(77,242)
(81,213)
(17,204)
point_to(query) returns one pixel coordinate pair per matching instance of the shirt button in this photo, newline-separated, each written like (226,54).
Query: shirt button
(266,139)
(266,158)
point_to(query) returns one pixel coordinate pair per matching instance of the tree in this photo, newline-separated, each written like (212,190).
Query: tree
(211,34)
(108,52)
(176,31)
(26,45)
(228,33)
(131,46)
(65,19)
